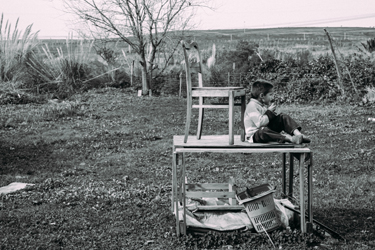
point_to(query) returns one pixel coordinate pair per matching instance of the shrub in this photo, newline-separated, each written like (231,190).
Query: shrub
(369,46)
(362,71)
(305,90)
(241,56)
(15,48)
(61,74)
(298,79)
(169,82)
(244,50)
(216,76)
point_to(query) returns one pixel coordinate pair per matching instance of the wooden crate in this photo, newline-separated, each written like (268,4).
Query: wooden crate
(222,191)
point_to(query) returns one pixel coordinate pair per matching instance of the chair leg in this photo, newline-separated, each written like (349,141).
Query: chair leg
(231,117)
(243,109)
(200,121)
(188,119)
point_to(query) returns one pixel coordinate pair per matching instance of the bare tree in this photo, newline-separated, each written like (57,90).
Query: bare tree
(148,26)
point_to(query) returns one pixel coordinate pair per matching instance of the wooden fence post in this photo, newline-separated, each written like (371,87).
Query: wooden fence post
(336,63)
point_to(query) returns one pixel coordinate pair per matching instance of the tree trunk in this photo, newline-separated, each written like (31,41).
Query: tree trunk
(144,80)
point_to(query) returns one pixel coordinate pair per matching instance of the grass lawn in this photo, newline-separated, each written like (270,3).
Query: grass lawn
(102,174)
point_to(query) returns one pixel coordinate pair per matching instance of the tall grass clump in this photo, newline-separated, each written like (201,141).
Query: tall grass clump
(61,72)
(15,47)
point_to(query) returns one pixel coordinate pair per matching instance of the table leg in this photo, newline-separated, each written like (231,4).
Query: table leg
(175,195)
(174,180)
(284,175)
(309,190)
(183,178)
(291,171)
(301,192)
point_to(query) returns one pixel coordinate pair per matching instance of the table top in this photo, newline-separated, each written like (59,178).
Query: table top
(220,143)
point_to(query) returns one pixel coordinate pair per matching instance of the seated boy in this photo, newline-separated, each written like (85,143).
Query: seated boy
(263,125)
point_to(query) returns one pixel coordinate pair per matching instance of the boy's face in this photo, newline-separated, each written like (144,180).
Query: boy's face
(267,99)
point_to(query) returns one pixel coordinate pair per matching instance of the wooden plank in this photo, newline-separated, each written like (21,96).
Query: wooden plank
(189,99)
(231,117)
(243,109)
(174,181)
(283,175)
(309,188)
(226,103)
(200,119)
(207,186)
(215,92)
(217,141)
(200,77)
(210,194)
(242,150)
(301,193)
(175,198)
(221,208)
(188,118)
(221,88)
(184,192)
(209,106)
(309,224)
(232,188)
(291,174)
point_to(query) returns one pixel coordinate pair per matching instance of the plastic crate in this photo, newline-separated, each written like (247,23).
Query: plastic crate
(261,210)
(254,191)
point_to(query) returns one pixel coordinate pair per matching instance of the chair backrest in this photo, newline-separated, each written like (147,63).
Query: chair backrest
(192,51)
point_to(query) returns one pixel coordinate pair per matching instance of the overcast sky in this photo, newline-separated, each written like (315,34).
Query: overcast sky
(48,17)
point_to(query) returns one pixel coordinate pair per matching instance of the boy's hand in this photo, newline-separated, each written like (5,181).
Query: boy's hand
(272,107)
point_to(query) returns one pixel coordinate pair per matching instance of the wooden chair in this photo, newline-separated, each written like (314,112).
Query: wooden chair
(207,92)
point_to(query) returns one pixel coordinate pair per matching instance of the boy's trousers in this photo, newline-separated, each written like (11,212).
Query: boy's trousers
(271,133)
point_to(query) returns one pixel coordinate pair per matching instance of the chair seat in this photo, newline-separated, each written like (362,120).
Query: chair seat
(217,92)
(218,88)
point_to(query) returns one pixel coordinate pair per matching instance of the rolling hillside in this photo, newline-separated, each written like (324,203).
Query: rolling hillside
(291,39)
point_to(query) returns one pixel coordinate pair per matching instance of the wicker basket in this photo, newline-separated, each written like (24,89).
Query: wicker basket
(261,211)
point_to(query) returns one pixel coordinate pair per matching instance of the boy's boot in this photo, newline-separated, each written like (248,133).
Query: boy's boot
(296,139)
(305,139)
